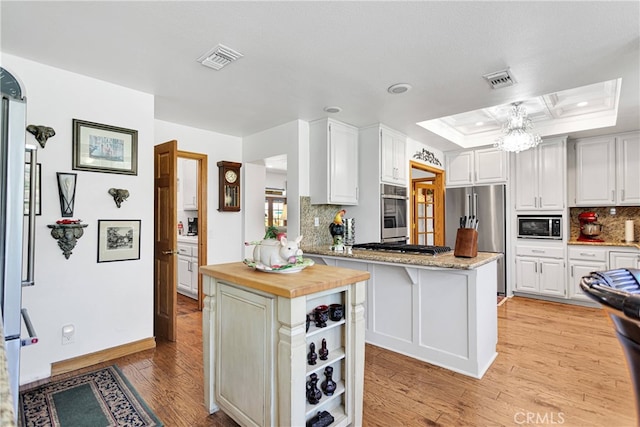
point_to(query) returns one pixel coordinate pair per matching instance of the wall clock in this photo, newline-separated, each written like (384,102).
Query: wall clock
(229,186)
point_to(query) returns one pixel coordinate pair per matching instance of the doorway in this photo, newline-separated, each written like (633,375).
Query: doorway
(427,205)
(166,233)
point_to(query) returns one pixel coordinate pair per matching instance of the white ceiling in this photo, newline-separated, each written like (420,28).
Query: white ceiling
(302,56)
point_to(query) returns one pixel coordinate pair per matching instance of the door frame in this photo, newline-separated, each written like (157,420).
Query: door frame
(439,202)
(201,178)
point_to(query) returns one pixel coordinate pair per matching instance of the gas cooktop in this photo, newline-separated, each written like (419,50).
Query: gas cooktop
(403,248)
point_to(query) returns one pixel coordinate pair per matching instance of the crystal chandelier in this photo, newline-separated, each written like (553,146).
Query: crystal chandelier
(516,136)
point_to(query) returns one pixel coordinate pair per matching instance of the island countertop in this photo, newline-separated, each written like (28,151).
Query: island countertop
(447,260)
(312,279)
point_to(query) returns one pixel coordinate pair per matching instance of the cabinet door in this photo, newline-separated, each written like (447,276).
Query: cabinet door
(399,159)
(526,166)
(526,274)
(343,164)
(551,276)
(578,269)
(551,183)
(184,275)
(387,163)
(624,260)
(595,173)
(189,184)
(490,166)
(459,167)
(628,169)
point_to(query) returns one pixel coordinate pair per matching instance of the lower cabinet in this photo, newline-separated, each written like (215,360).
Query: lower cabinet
(582,261)
(188,270)
(540,270)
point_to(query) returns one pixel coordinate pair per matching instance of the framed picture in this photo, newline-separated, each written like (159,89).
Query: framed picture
(118,239)
(104,148)
(27,188)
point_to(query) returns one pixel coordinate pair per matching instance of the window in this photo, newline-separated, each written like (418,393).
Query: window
(275,211)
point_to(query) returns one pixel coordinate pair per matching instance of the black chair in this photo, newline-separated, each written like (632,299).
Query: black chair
(619,293)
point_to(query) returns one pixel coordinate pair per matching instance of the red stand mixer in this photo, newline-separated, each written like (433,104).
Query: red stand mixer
(589,227)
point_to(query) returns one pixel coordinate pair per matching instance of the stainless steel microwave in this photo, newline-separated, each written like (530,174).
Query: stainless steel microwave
(540,227)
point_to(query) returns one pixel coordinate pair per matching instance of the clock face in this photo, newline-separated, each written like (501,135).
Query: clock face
(9,84)
(230,176)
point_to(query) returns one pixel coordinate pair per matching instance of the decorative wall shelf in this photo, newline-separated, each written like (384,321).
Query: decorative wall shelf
(67,236)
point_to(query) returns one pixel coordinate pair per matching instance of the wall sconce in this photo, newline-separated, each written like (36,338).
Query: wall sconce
(67,192)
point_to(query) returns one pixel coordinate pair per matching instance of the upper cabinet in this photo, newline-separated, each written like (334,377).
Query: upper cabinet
(476,167)
(540,176)
(333,154)
(393,157)
(188,173)
(607,170)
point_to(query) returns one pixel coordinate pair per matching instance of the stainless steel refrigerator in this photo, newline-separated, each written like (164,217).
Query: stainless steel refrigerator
(16,228)
(487,204)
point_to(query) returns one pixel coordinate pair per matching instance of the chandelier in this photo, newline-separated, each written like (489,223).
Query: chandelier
(516,136)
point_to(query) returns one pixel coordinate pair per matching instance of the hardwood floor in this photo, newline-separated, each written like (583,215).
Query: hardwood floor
(557,364)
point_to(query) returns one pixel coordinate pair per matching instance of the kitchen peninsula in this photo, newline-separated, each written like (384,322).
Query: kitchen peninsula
(257,336)
(440,309)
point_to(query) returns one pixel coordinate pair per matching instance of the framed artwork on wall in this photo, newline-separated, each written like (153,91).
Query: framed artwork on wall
(118,239)
(104,148)
(27,188)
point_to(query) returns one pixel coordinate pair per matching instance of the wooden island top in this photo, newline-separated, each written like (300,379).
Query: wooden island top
(312,279)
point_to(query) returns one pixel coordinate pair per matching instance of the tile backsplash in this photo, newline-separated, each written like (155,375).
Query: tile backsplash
(316,236)
(612,225)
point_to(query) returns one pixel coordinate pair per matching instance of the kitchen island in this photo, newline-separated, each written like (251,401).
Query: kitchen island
(441,309)
(256,343)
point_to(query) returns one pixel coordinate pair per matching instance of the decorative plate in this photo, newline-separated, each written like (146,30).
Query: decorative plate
(289,268)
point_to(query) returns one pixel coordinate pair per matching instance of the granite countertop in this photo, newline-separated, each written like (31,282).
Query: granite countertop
(312,279)
(447,260)
(632,245)
(6,400)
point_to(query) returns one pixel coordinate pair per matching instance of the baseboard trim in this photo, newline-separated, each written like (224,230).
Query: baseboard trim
(105,355)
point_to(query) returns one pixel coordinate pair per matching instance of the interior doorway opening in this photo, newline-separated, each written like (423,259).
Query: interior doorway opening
(427,205)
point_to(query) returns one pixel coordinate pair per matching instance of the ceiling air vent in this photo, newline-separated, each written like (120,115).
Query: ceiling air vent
(219,57)
(500,79)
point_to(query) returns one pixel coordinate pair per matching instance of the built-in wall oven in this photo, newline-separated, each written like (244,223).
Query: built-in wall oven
(393,205)
(540,227)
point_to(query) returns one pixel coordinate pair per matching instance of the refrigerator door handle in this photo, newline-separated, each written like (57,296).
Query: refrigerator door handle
(33,337)
(468,209)
(475,205)
(31,228)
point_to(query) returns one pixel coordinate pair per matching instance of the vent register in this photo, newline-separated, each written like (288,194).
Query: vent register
(219,57)
(499,79)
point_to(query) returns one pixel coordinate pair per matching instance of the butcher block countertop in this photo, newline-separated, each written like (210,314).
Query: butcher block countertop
(447,260)
(312,279)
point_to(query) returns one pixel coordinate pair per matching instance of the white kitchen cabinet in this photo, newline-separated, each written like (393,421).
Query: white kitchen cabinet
(393,157)
(333,164)
(540,270)
(540,176)
(628,169)
(608,170)
(189,175)
(476,167)
(188,269)
(583,260)
(618,259)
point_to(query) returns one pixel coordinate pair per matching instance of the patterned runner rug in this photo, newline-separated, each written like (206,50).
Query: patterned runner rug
(102,398)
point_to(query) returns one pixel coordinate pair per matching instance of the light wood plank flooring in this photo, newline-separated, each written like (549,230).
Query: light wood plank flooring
(557,364)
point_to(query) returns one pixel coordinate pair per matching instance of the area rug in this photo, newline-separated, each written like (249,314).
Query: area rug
(101,398)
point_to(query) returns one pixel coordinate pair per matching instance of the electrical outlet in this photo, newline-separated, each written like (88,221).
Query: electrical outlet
(316,222)
(68,334)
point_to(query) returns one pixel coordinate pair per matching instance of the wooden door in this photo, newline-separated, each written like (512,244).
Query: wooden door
(425,214)
(427,202)
(166,240)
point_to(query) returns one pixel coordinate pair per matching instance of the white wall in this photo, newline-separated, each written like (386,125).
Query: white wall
(414,147)
(291,139)
(225,240)
(253,201)
(109,304)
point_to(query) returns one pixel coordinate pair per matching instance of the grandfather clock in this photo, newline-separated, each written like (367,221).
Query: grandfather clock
(229,186)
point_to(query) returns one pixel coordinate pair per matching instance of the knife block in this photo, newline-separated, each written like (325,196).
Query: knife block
(466,243)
